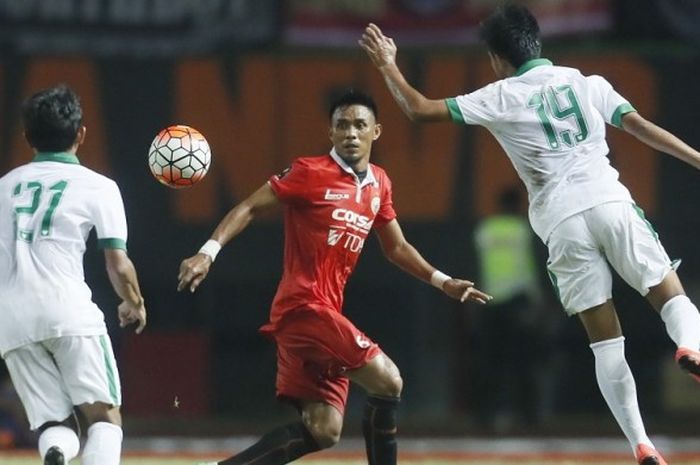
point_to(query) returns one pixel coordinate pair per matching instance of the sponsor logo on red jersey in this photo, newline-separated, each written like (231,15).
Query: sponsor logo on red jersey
(334,235)
(330,195)
(352,219)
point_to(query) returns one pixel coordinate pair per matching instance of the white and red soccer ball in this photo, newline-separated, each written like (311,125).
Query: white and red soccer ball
(179,156)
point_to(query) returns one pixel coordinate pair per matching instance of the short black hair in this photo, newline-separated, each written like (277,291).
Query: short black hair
(52,118)
(353,97)
(512,33)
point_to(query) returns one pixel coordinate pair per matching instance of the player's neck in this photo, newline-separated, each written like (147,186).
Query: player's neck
(360,166)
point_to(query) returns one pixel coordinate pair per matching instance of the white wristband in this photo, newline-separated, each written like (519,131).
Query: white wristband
(211,248)
(438,278)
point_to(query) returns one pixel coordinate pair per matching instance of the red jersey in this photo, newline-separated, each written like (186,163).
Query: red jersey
(328,214)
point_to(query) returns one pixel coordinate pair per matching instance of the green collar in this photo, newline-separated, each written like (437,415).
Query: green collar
(61,157)
(528,65)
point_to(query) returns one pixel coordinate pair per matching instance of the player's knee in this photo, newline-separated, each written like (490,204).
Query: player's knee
(397,386)
(326,435)
(392,386)
(100,412)
(71,422)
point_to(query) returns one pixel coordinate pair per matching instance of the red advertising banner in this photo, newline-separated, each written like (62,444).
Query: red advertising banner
(429,22)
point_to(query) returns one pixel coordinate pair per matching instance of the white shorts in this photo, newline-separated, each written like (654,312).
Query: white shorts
(54,375)
(581,246)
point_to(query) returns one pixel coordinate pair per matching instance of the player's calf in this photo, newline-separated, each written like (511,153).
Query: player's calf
(282,445)
(379,429)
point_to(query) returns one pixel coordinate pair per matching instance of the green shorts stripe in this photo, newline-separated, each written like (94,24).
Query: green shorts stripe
(553,279)
(640,212)
(110,368)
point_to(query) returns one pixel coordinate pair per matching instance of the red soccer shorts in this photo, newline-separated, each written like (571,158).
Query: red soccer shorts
(314,350)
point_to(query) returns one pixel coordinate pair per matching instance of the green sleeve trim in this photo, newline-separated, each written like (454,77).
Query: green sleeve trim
(111,243)
(455,112)
(620,112)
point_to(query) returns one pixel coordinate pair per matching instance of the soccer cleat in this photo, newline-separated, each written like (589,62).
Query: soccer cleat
(648,456)
(689,360)
(54,456)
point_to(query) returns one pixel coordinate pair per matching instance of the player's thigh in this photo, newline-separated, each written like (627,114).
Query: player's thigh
(380,376)
(631,244)
(88,369)
(300,381)
(326,340)
(39,385)
(315,349)
(577,266)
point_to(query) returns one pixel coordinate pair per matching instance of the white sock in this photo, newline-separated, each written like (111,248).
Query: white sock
(103,445)
(682,322)
(60,436)
(618,388)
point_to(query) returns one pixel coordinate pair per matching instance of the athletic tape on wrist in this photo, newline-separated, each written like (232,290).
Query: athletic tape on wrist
(438,278)
(211,248)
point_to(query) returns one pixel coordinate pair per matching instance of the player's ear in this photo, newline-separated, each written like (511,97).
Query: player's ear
(80,137)
(377,131)
(493,59)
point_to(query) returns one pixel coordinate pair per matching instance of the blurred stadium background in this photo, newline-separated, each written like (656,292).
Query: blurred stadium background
(254,76)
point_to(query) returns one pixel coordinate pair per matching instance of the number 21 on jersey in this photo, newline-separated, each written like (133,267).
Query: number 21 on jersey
(549,110)
(31,195)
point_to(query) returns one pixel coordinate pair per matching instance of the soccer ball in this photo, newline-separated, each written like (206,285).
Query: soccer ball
(179,156)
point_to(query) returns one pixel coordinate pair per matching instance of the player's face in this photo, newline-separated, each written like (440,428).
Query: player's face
(353,129)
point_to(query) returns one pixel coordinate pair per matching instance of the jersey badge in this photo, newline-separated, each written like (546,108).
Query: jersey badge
(375,205)
(362,342)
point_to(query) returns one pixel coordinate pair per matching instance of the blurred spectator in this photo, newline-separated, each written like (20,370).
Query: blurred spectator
(510,341)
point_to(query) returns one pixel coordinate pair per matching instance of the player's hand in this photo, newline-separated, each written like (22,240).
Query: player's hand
(130,313)
(380,49)
(193,270)
(464,291)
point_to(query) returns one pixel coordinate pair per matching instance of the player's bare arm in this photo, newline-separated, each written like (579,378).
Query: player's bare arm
(659,138)
(402,254)
(193,270)
(382,51)
(122,275)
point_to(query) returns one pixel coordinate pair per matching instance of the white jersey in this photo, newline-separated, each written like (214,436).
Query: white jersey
(47,209)
(550,120)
